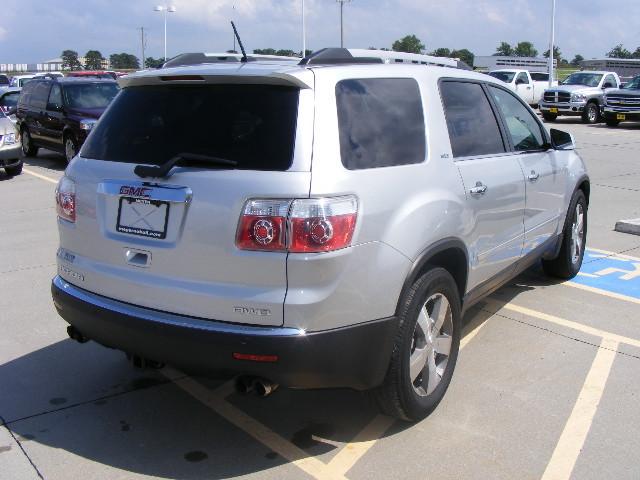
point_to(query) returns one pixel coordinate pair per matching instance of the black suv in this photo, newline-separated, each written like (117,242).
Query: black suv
(59,113)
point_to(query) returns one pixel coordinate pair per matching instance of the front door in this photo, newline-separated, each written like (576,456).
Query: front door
(53,119)
(525,87)
(493,181)
(543,169)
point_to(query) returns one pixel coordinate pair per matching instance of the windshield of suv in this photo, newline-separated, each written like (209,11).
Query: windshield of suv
(634,84)
(90,95)
(504,76)
(253,125)
(583,78)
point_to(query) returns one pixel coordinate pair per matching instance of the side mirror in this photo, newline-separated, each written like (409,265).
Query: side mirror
(519,81)
(607,85)
(622,85)
(562,140)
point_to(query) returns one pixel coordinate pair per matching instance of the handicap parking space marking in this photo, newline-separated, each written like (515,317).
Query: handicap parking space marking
(609,274)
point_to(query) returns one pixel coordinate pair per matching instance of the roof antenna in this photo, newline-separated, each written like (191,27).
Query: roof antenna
(235,32)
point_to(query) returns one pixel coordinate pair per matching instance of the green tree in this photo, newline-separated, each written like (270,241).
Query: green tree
(124,61)
(408,44)
(557,54)
(93,60)
(619,52)
(503,50)
(576,60)
(636,54)
(151,62)
(265,51)
(286,53)
(441,52)
(70,60)
(525,49)
(465,55)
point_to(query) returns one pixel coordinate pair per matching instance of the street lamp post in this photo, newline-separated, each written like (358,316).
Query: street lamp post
(342,2)
(304,34)
(553,28)
(165,9)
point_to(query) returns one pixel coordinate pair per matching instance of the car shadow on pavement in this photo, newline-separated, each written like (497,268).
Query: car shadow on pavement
(47,159)
(88,401)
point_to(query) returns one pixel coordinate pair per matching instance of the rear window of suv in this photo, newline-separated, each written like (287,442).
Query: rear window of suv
(254,125)
(381,122)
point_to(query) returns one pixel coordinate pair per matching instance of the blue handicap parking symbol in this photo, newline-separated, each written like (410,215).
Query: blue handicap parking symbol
(611,273)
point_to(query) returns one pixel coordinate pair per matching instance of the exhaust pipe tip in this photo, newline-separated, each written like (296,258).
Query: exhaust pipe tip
(264,388)
(143,363)
(74,334)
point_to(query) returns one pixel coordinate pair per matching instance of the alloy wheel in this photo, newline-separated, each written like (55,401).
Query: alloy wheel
(577,234)
(431,345)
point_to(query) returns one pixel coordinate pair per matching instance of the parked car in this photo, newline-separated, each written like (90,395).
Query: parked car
(10,152)
(59,113)
(4,81)
(193,232)
(20,81)
(622,105)
(52,74)
(580,94)
(9,102)
(523,83)
(93,74)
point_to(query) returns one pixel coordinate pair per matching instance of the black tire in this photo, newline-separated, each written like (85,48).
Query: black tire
(612,123)
(72,147)
(28,148)
(549,117)
(566,265)
(397,396)
(591,113)
(15,170)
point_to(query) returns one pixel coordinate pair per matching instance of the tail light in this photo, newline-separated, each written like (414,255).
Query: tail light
(298,226)
(66,199)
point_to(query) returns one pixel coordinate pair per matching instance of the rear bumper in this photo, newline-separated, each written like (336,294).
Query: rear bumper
(351,357)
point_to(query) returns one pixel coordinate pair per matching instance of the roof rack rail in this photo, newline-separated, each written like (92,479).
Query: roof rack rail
(336,56)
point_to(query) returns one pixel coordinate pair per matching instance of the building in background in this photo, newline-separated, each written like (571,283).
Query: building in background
(53,65)
(533,64)
(625,68)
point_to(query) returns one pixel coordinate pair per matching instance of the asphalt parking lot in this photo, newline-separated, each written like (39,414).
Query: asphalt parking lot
(546,386)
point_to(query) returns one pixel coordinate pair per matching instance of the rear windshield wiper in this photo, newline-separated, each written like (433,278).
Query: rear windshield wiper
(185,159)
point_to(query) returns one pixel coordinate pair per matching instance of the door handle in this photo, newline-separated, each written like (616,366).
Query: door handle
(533,176)
(528,88)
(479,189)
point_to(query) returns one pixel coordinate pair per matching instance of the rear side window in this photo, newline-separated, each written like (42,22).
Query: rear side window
(381,123)
(40,95)
(9,100)
(473,128)
(254,125)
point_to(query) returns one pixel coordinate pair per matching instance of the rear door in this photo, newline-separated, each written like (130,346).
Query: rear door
(492,177)
(543,169)
(36,111)
(170,243)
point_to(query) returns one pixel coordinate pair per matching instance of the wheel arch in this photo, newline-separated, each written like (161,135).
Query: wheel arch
(450,254)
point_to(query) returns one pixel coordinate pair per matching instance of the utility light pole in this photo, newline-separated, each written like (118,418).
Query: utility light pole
(342,2)
(551,52)
(165,9)
(304,34)
(142,44)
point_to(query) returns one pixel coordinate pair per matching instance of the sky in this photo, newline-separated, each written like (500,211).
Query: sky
(32,31)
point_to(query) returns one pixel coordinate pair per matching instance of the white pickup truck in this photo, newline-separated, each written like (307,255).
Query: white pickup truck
(530,86)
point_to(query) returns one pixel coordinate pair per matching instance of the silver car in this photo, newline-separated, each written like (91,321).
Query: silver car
(313,226)
(10,149)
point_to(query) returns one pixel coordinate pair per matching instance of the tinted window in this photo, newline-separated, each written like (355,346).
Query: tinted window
(55,97)
(40,94)
(540,77)
(381,122)
(634,84)
(526,133)
(504,76)
(522,77)
(473,128)
(4,80)
(10,100)
(90,95)
(26,94)
(251,124)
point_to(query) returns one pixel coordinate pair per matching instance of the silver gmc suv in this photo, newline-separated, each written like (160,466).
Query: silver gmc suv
(317,225)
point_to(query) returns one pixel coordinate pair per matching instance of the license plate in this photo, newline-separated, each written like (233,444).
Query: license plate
(553,110)
(142,216)
(621,116)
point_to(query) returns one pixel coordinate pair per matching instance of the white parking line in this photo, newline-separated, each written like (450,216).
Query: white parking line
(577,427)
(41,177)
